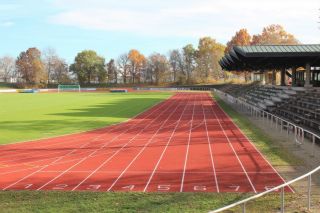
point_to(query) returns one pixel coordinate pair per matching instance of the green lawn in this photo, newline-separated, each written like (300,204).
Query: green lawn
(32,116)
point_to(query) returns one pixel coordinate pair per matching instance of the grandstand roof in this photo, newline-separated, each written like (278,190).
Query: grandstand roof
(258,57)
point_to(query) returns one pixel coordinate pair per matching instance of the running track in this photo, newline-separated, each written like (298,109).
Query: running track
(184,144)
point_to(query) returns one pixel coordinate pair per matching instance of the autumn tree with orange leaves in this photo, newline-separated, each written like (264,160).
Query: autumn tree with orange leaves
(137,64)
(241,38)
(31,68)
(274,34)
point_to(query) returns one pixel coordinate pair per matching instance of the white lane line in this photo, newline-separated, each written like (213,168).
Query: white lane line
(111,128)
(54,162)
(187,152)
(246,137)
(108,159)
(234,151)
(145,146)
(166,147)
(210,150)
(59,138)
(39,170)
(163,172)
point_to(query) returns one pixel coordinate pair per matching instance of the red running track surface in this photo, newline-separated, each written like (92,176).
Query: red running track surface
(184,144)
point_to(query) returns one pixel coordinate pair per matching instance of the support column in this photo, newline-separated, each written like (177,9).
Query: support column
(266,77)
(308,76)
(294,77)
(273,81)
(263,79)
(283,77)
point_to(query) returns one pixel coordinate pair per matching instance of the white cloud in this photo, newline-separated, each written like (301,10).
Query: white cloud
(6,24)
(190,18)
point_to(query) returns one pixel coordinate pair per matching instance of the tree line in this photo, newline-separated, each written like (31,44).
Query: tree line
(187,65)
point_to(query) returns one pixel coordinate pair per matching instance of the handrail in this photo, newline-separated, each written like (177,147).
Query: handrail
(268,113)
(266,192)
(272,116)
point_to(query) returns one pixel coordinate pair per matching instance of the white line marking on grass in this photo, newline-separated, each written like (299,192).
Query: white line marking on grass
(210,150)
(187,152)
(164,150)
(234,151)
(144,147)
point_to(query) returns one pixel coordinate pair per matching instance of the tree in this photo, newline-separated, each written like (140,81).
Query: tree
(208,55)
(176,63)
(60,73)
(56,67)
(112,72)
(241,38)
(274,34)
(88,67)
(189,56)
(137,63)
(49,55)
(31,68)
(123,64)
(7,68)
(158,67)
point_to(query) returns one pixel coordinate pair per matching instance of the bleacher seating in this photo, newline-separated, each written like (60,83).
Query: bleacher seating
(300,106)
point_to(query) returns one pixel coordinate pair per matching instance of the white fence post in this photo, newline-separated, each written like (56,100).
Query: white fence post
(309,192)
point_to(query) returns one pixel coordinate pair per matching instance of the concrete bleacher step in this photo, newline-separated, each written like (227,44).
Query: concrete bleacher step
(276,99)
(283,96)
(290,92)
(268,102)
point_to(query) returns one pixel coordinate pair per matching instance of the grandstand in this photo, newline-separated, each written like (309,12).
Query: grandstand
(294,106)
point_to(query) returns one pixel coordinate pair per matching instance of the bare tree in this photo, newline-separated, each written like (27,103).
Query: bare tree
(123,64)
(112,72)
(60,71)
(7,68)
(49,57)
(158,67)
(176,63)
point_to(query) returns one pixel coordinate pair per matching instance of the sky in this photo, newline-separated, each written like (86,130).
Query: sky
(113,27)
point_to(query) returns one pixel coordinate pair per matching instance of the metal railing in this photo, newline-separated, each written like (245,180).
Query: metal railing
(299,137)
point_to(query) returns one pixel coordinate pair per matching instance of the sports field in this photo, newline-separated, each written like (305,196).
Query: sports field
(33,116)
(185,143)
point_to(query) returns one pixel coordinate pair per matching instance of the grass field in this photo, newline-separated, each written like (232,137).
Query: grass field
(32,116)
(31,201)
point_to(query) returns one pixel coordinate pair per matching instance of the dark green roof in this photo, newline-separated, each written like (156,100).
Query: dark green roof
(271,57)
(279,50)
